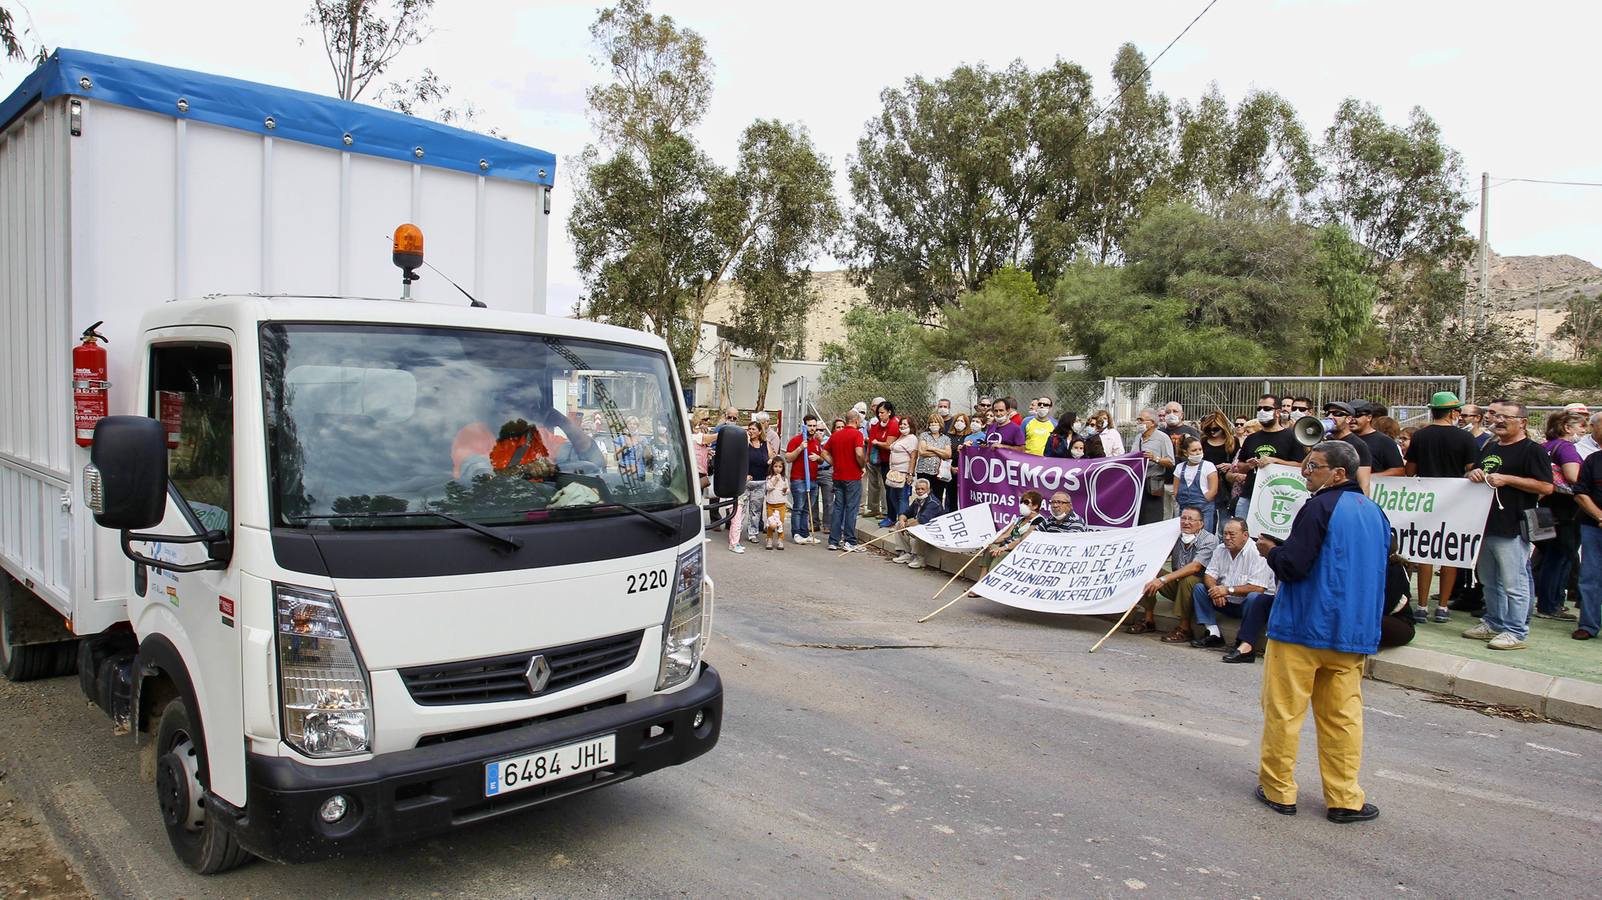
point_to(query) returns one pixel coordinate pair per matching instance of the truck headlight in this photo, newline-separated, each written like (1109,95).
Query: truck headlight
(322,687)
(685,631)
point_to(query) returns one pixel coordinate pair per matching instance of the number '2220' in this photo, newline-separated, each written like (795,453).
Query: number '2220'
(648,581)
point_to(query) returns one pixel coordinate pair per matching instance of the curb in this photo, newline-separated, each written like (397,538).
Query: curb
(1561,699)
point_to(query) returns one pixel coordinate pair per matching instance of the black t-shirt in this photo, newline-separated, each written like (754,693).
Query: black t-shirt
(1441,451)
(1590,485)
(1218,455)
(1364,456)
(1281,444)
(1385,453)
(1524,459)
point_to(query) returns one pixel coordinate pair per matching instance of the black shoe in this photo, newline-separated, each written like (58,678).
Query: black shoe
(1368,813)
(1235,656)
(1209,642)
(1286,809)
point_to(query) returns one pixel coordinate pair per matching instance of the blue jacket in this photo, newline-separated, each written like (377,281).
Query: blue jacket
(1331,573)
(925,510)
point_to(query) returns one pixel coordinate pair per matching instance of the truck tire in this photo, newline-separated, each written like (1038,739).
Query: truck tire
(198,840)
(21,662)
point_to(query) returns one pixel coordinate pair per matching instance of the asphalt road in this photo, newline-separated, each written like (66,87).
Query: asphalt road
(981,754)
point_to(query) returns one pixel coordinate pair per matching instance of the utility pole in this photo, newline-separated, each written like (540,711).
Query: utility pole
(1485,280)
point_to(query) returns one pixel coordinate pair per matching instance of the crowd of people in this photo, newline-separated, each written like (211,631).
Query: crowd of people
(1541,555)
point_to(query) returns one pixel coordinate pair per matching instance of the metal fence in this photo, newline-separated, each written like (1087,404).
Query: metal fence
(1406,396)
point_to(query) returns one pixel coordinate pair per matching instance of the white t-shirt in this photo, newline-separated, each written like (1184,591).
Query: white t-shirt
(1245,567)
(1195,475)
(1112,443)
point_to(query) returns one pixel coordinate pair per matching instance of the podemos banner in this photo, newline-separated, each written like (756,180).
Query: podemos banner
(1084,573)
(967,529)
(1435,521)
(1106,492)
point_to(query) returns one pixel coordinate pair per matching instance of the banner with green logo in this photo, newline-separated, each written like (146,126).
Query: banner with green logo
(1436,521)
(1279,494)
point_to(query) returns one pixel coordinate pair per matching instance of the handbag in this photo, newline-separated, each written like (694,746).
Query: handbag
(1537,524)
(895,478)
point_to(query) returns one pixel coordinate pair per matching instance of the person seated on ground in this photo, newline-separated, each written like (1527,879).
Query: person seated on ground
(1193,550)
(1397,624)
(1061,518)
(1028,520)
(924,506)
(1236,572)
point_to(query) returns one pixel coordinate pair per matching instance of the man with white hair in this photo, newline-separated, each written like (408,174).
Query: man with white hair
(1593,441)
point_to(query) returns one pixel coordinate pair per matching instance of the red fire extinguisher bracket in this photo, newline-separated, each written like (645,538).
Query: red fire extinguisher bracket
(91,391)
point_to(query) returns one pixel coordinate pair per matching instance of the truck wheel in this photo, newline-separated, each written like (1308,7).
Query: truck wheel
(198,840)
(21,662)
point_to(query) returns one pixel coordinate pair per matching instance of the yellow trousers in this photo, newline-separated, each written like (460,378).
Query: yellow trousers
(1333,681)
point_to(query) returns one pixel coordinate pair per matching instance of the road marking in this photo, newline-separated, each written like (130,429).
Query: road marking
(1549,749)
(1124,719)
(1492,796)
(1375,709)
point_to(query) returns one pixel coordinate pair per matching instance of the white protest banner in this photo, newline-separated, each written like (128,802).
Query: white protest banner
(1438,521)
(1084,573)
(967,529)
(1278,496)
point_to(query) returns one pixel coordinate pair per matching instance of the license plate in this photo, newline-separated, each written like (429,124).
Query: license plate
(518,772)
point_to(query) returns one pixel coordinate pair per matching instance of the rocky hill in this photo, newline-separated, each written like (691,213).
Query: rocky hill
(1529,293)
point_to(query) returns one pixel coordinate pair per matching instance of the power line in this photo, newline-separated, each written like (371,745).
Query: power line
(1143,73)
(1547,181)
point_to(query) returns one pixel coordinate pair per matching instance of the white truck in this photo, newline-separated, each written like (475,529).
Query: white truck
(351,571)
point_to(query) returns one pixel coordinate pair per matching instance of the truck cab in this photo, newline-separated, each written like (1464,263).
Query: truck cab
(433,564)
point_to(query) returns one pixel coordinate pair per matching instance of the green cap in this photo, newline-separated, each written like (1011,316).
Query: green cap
(1445,400)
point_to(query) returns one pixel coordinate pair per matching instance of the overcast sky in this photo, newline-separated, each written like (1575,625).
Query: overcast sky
(1511,84)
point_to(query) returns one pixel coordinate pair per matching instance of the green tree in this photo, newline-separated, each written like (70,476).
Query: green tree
(15,44)
(1200,295)
(959,176)
(1129,156)
(1349,289)
(882,355)
(1583,325)
(770,318)
(776,213)
(1260,150)
(661,77)
(1005,331)
(642,212)
(641,238)
(1399,191)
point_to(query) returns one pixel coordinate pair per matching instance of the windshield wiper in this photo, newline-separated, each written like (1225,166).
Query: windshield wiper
(666,525)
(511,542)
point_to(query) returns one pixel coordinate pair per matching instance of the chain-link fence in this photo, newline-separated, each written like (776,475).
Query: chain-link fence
(1407,396)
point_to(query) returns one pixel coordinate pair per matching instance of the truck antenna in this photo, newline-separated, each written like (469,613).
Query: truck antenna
(472,301)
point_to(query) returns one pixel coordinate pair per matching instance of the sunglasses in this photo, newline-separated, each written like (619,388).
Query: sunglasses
(1240,423)
(1267,408)
(1298,409)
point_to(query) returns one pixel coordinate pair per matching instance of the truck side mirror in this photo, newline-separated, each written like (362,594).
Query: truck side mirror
(733,452)
(125,484)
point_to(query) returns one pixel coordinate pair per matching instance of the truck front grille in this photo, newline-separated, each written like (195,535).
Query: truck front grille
(502,678)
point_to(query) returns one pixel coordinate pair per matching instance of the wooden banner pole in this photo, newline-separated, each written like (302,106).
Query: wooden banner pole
(1120,621)
(984,550)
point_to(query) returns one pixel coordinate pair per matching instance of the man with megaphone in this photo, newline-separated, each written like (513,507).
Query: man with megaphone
(1274,444)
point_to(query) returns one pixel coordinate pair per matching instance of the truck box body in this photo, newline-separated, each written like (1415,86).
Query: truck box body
(113,201)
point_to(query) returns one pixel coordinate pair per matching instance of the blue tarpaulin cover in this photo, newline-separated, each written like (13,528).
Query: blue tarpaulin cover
(297,115)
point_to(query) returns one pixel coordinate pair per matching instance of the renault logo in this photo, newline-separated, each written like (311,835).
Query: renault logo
(538,674)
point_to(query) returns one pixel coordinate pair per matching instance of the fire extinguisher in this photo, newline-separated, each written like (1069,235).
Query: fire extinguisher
(90,390)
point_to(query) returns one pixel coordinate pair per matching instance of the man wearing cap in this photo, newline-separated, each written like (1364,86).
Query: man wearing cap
(1386,457)
(1341,415)
(1439,450)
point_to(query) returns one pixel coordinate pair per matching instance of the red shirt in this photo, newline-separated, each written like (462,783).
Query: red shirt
(843,446)
(796,473)
(889,431)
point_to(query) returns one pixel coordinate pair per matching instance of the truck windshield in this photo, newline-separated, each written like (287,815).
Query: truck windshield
(490,427)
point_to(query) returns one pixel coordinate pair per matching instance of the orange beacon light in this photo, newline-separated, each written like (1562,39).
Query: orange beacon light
(408,255)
